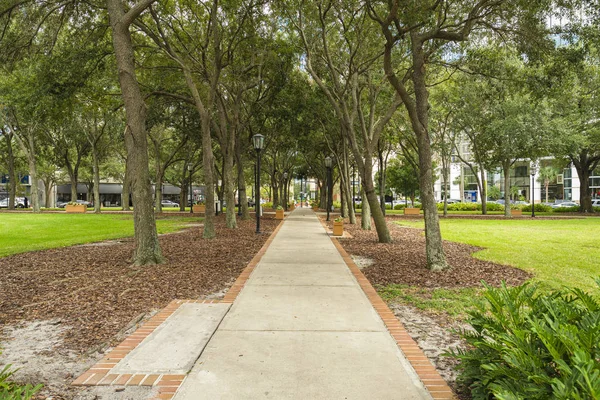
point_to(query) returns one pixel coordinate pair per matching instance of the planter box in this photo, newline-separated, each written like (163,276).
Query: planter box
(412,211)
(516,213)
(292,207)
(338,228)
(75,208)
(199,208)
(279,214)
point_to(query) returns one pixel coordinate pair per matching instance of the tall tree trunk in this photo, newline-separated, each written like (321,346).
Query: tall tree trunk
(445,179)
(506,171)
(158,191)
(365,214)
(73,177)
(10,155)
(241,181)
(347,182)
(436,257)
(585,194)
(546,185)
(96,172)
(323,199)
(147,248)
(48,192)
(126,188)
(230,184)
(483,191)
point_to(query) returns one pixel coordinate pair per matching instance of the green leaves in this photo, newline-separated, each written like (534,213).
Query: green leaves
(12,391)
(528,344)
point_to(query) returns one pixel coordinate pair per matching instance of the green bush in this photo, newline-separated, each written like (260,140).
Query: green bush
(337,204)
(12,391)
(538,208)
(268,204)
(399,206)
(531,344)
(566,209)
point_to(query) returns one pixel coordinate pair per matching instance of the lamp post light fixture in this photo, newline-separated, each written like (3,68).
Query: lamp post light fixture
(328,164)
(533,168)
(285,193)
(190,167)
(258,142)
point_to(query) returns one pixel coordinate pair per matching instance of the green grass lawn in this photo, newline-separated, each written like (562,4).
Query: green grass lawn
(557,252)
(28,232)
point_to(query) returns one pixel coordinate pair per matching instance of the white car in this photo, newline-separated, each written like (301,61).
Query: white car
(19,202)
(565,204)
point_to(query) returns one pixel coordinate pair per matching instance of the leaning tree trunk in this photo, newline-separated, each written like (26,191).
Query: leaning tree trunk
(506,171)
(96,171)
(147,248)
(383,234)
(483,191)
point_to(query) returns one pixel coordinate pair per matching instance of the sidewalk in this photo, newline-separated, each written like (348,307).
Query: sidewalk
(301,327)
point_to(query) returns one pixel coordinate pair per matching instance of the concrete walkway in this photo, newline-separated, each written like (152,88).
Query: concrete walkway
(302,328)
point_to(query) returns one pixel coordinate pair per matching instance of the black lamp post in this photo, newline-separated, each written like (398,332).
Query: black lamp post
(533,170)
(285,191)
(258,141)
(190,167)
(328,163)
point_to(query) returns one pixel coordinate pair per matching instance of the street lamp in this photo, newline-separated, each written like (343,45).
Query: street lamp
(533,168)
(258,141)
(328,163)
(190,167)
(285,193)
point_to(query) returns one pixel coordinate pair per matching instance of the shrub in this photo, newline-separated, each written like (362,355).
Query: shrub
(531,344)
(12,391)
(538,208)
(337,204)
(399,206)
(268,204)
(566,209)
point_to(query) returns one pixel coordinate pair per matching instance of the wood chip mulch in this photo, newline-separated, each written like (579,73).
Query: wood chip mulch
(96,291)
(404,262)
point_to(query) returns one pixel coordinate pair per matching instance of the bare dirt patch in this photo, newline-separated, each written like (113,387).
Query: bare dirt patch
(84,298)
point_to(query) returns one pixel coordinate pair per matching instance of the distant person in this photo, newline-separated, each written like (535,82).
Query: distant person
(26,202)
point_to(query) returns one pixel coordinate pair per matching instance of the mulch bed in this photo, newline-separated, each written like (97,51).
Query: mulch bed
(404,262)
(97,291)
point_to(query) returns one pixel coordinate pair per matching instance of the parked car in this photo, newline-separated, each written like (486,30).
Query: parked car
(596,203)
(565,204)
(450,201)
(169,203)
(19,202)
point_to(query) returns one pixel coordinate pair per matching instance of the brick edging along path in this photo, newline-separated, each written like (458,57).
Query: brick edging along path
(168,384)
(432,380)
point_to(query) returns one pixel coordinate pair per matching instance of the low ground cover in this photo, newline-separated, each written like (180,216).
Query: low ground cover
(557,252)
(22,232)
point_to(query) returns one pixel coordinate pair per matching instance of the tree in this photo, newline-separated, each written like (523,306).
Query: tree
(340,57)
(415,36)
(147,247)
